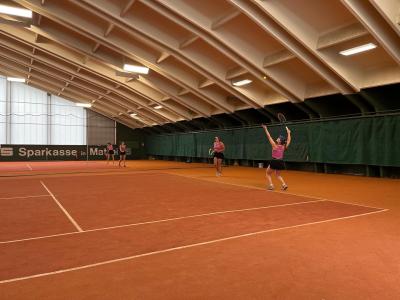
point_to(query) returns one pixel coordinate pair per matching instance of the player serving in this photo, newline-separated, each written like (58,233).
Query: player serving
(276,164)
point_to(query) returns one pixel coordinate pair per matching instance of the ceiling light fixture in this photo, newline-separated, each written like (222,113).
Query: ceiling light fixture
(358,49)
(158,107)
(83,105)
(15,79)
(242,82)
(15,11)
(134,116)
(136,69)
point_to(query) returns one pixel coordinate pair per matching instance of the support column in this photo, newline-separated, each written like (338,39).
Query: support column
(8,112)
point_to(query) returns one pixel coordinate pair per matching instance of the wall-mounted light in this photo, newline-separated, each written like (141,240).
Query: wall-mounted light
(358,49)
(136,69)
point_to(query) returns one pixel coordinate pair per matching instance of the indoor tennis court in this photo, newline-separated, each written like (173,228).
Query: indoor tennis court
(137,233)
(199,149)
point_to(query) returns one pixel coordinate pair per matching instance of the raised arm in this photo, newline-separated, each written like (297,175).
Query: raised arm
(289,137)
(270,139)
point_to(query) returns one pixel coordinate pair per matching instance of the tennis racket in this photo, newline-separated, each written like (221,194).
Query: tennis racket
(282,120)
(210,152)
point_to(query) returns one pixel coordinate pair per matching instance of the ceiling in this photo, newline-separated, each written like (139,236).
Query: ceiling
(196,49)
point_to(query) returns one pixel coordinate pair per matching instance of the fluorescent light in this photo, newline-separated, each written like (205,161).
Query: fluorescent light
(136,69)
(158,107)
(242,82)
(83,104)
(133,115)
(358,49)
(15,79)
(20,12)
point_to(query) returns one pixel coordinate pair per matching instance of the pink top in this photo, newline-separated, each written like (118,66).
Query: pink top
(277,153)
(218,146)
(122,148)
(110,147)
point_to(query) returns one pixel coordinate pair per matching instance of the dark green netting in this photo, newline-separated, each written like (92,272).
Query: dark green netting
(370,141)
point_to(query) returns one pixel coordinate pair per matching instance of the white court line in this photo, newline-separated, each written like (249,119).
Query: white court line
(251,187)
(178,248)
(29,167)
(159,221)
(275,191)
(22,197)
(62,208)
(355,204)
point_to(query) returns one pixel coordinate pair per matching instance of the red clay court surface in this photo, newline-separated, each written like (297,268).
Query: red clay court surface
(29,168)
(165,235)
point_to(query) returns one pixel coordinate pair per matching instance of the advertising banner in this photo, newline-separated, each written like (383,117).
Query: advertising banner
(55,152)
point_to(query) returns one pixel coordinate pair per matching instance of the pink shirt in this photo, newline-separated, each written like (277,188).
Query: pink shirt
(122,148)
(218,147)
(110,147)
(277,153)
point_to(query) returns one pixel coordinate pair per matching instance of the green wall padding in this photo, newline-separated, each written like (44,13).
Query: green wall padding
(368,140)
(133,139)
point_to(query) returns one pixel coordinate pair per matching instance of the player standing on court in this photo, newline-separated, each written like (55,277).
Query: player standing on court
(110,152)
(218,149)
(122,154)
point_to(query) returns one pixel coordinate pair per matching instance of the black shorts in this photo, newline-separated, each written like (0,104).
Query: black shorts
(277,164)
(111,152)
(219,155)
(122,153)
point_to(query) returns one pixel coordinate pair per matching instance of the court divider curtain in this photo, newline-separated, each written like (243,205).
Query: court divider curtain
(31,116)
(68,122)
(28,115)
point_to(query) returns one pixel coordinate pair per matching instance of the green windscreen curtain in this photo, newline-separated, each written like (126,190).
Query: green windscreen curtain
(370,140)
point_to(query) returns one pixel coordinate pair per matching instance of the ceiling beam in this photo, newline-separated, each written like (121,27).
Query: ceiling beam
(225,19)
(231,49)
(344,34)
(93,66)
(390,10)
(58,15)
(72,74)
(127,7)
(142,32)
(377,25)
(277,58)
(280,26)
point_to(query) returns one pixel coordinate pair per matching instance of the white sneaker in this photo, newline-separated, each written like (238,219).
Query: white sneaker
(270,187)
